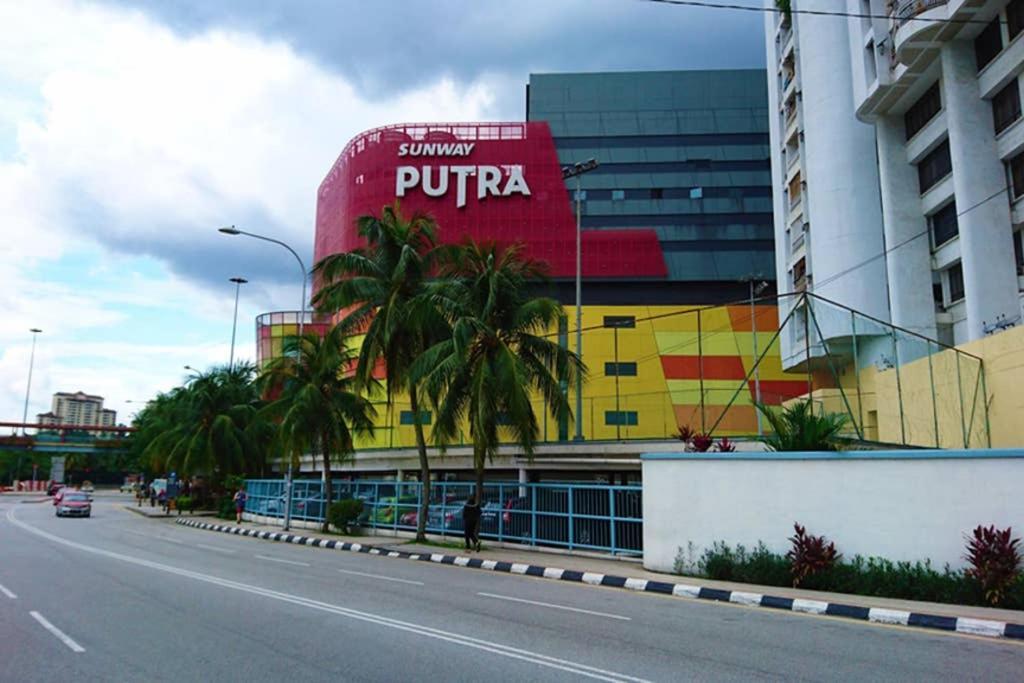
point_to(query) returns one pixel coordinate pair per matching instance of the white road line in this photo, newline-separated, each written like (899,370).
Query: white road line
(368,617)
(382,578)
(215,548)
(8,593)
(278,559)
(64,638)
(553,606)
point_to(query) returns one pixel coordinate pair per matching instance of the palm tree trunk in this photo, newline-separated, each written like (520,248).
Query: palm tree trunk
(327,482)
(479,461)
(421,447)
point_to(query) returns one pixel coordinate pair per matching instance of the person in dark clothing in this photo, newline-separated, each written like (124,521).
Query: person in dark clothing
(471,523)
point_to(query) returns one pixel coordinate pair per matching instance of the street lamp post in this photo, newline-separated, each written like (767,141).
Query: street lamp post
(28,387)
(232,230)
(239,281)
(575,171)
(756,289)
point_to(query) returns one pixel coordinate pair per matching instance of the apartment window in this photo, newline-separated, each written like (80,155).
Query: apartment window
(923,111)
(1006,106)
(1018,250)
(1015,17)
(618,195)
(622,418)
(934,167)
(620,369)
(620,321)
(956,283)
(988,44)
(580,195)
(944,224)
(657,193)
(1016,165)
(406,417)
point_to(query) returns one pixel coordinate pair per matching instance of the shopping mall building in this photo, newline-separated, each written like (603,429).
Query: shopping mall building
(678,265)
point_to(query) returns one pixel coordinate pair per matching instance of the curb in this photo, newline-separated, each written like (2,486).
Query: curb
(136,510)
(965,625)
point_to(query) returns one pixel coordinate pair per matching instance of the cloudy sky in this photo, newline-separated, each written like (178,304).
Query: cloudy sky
(130,131)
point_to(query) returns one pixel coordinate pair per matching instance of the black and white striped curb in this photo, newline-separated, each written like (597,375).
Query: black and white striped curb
(977,627)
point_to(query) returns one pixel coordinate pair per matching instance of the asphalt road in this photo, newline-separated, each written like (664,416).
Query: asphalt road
(122,598)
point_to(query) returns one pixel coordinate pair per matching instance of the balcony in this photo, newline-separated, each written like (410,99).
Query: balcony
(905,10)
(919,27)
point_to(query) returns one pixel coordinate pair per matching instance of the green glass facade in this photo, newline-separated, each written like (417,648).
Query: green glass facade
(685,153)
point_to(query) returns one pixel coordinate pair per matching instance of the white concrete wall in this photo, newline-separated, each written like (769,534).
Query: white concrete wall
(871,504)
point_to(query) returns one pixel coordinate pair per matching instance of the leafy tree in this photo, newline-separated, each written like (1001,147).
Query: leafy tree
(381,286)
(210,426)
(497,354)
(317,402)
(797,428)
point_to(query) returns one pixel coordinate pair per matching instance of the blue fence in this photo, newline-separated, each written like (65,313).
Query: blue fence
(574,516)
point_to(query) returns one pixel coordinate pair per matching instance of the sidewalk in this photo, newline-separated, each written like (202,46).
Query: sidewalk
(632,575)
(157,512)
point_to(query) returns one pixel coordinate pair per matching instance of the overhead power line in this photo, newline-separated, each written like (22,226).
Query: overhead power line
(710,4)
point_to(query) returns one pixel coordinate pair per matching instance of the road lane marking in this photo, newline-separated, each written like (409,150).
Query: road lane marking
(426,631)
(214,548)
(278,559)
(8,593)
(152,536)
(64,638)
(553,606)
(382,578)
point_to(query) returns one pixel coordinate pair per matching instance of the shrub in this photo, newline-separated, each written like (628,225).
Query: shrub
(995,560)
(225,507)
(183,503)
(810,554)
(685,433)
(701,443)
(797,428)
(725,446)
(342,513)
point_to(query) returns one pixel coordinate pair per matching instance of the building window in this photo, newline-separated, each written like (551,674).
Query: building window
(620,369)
(944,224)
(657,193)
(934,167)
(696,193)
(923,111)
(406,417)
(1006,106)
(620,418)
(1018,250)
(1017,175)
(618,195)
(580,195)
(1015,17)
(956,283)
(988,44)
(620,321)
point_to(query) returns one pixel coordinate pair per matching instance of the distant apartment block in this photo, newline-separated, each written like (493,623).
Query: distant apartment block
(78,408)
(898,160)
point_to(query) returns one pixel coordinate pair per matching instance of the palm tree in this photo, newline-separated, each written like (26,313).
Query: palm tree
(497,354)
(382,286)
(205,427)
(797,428)
(317,402)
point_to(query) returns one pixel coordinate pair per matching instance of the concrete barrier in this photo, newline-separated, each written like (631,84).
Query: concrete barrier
(900,505)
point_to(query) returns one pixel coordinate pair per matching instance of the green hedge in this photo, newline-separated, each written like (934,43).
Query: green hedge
(872,576)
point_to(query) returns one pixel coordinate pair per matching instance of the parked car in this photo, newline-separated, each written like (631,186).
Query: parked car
(74,504)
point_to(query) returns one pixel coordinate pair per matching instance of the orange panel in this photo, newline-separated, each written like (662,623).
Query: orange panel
(767,318)
(737,418)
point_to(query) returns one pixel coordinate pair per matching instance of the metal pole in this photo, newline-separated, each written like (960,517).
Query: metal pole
(960,390)
(856,370)
(984,399)
(234,324)
(931,381)
(579,310)
(28,387)
(757,371)
(618,410)
(700,372)
(899,387)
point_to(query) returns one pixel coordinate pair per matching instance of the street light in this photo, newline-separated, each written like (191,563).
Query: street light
(575,171)
(239,281)
(28,387)
(232,230)
(756,288)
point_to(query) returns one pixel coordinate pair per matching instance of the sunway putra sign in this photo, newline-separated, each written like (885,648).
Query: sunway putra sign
(435,181)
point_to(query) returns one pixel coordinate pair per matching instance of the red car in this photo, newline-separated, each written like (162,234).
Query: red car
(74,504)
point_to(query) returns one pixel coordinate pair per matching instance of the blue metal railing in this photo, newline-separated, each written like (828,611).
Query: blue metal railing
(574,516)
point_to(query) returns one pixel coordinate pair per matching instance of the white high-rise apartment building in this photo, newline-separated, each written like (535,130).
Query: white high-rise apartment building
(898,160)
(79,409)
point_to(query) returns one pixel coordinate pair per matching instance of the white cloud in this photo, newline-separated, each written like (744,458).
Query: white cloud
(133,140)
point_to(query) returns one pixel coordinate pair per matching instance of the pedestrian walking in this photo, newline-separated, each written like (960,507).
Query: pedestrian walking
(471,523)
(239,499)
(152,496)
